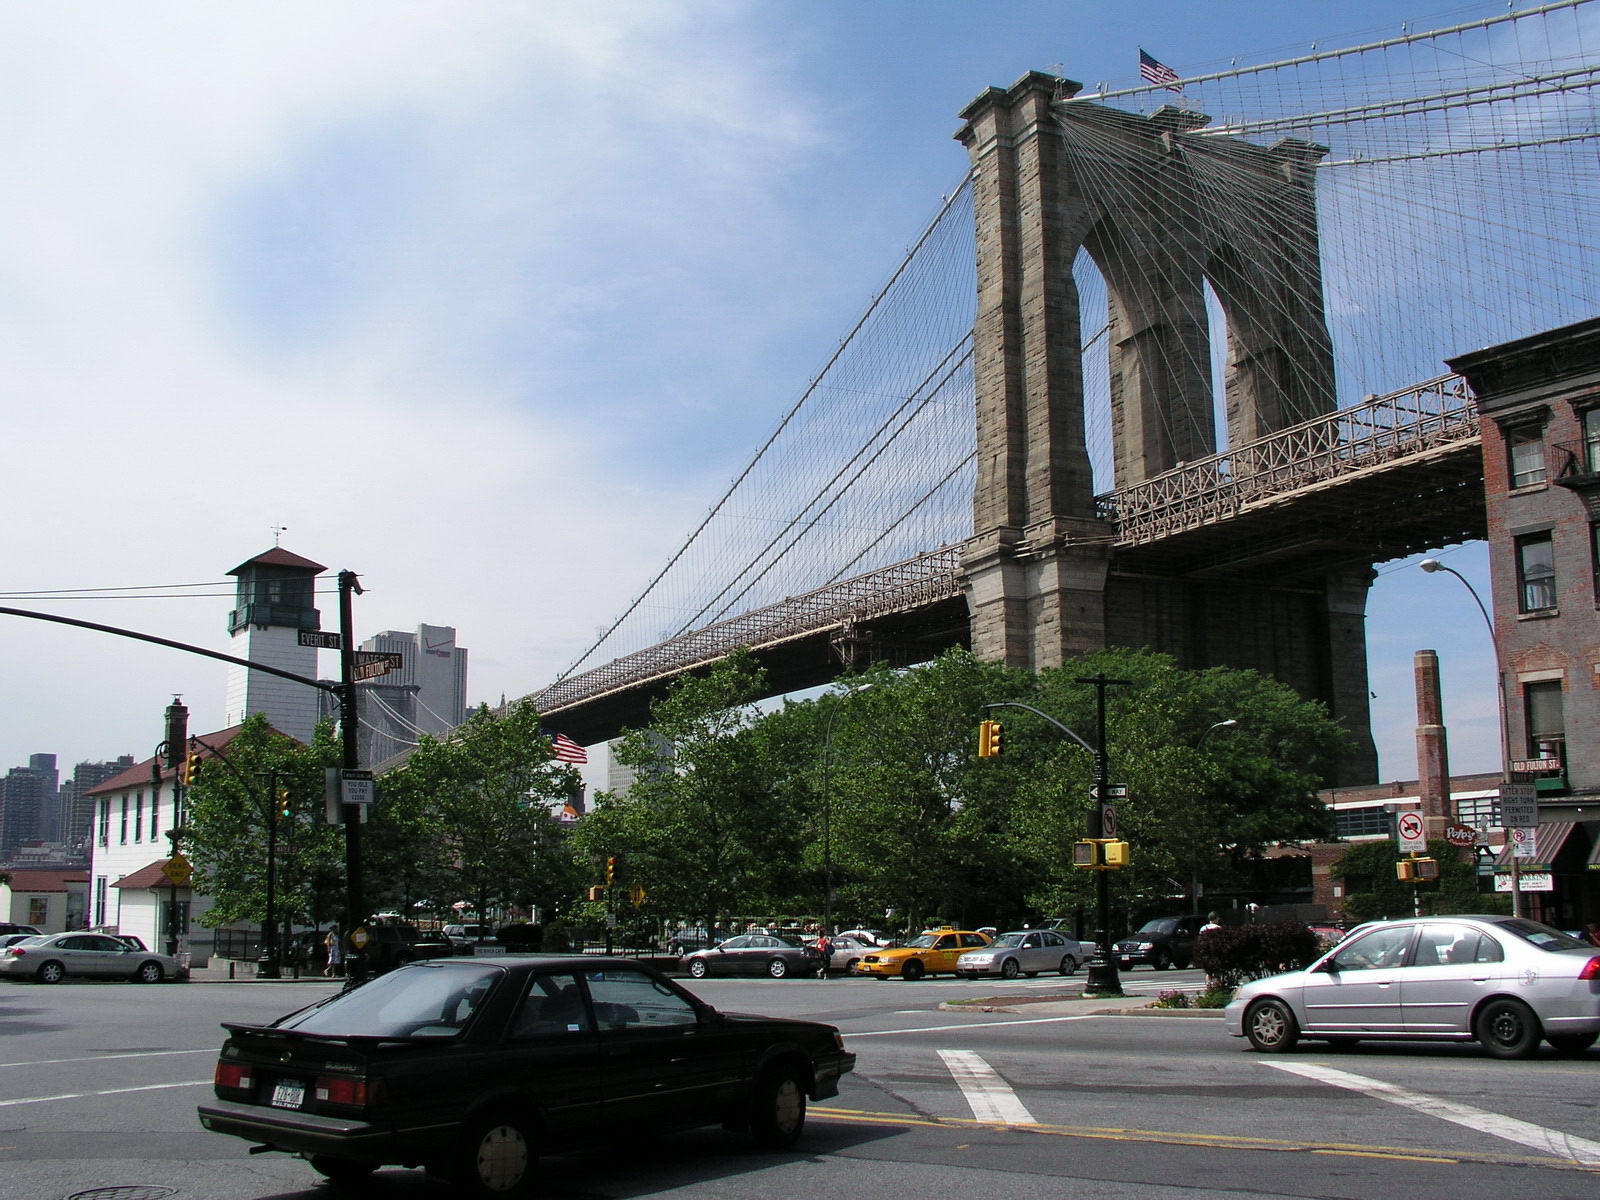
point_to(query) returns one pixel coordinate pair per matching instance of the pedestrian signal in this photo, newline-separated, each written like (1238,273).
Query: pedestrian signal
(1101,854)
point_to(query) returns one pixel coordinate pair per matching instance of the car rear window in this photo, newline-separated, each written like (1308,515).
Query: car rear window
(423,1001)
(1542,936)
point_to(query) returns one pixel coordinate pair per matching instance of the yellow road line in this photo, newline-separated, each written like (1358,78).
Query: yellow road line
(1216,1141)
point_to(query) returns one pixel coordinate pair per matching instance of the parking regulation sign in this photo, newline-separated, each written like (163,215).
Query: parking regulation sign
(1411,832)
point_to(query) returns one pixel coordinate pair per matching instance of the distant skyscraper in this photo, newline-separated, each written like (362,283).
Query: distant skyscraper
(428,694)
(74,809)
(275,601)
(27,803)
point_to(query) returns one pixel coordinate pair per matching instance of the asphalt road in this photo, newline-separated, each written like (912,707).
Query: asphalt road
(98,1084)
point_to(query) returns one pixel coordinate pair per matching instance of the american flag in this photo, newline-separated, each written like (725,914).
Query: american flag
(1156,71)
(565,749)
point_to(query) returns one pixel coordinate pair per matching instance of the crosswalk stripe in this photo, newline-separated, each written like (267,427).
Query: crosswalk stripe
(991,1097)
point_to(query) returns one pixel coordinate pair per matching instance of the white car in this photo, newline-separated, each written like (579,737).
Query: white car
(1023,952)
(52,957)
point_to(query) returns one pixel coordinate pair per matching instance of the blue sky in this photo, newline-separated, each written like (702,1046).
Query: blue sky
(487,302)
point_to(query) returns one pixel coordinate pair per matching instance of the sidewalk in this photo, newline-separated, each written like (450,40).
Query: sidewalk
(232,970)
(1072,1004)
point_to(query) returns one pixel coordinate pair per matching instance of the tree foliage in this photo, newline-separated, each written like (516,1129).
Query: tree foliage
(1373,891)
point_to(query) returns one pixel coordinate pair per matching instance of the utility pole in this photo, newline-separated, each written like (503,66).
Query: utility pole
(1101,977)
(355,959)
(267,968)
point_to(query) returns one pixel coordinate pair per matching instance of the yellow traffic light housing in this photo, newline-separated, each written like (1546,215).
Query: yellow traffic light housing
(1101,854)
(611,870)
(1416,870)
(988,739)
(285,808)
(190,767)
(597,894)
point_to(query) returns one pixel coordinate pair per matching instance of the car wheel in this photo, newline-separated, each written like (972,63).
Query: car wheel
(913,970)
(1068,964)
(850,967)
(50,972)
(777,1109)
(149,972)
(1507,1029)
(497,1157)
(697,968)
(1271,1027)
(341,1170)
(1009,969)
(777,968)
(1571,1043)
(1161,960)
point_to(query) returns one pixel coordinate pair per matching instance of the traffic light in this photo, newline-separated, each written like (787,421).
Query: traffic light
(596,894)
(190,768)
(611,870)
(988,739)
(1416,870)
(285,809)
(1100,854)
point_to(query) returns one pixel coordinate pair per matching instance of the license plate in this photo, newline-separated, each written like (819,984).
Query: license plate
(289,1095)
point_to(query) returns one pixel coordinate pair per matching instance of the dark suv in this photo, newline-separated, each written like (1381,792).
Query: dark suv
(394,945)
(1162,942)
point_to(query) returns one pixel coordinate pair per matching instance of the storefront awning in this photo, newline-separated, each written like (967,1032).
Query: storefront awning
(1551,837)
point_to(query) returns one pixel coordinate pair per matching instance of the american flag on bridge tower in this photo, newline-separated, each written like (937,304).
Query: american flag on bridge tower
(564,749)
(1156,71)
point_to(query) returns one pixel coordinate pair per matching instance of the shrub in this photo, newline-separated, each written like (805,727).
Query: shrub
(1171,1000)
(1233,956)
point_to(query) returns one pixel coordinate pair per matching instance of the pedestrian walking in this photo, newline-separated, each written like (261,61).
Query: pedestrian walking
(335,947)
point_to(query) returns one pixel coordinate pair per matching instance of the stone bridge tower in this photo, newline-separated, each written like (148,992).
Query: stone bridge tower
(1161,210)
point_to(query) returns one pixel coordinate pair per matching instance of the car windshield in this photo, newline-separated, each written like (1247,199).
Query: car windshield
(1542,936)
(425,1000)
(1009,939)
(923,942)
(1160,926)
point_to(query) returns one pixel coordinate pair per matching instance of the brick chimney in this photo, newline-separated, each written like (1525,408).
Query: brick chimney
(1433,752)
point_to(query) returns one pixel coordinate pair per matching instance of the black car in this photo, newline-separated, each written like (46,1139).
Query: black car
(1162,942)
(755,954)
(394,945)
(473,1067)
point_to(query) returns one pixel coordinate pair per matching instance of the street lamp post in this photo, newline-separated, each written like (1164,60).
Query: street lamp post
(1430,566)
(1194,862)
(827,813)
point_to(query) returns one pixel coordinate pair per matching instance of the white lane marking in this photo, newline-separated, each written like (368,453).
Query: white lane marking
(149,1087)
(991,1098)
(971,1025)
(1525,1133)
(50,1062)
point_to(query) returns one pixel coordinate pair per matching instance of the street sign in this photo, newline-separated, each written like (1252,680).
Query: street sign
(1411,831)
(1525,843)
(177,871)
(1527,881)
(1114,791)
(357,786)
(1108,821)
(1519,805)
(371,664)
(318,639)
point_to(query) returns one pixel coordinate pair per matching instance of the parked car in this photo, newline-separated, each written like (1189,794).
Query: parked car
(876,937)
(1023,952)
(392,944)
(754,954)
(11,939)
(463,937)
(935,952)
(7,927)
(1504,981)
(52,957)
(849,949)
(469,1068)
(1162,942)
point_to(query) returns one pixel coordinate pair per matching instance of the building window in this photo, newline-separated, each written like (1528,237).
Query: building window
(124,833)
(1525,449)
(105,821)
(155,814)
(1371,821)
(1546,722)
(1482,812)
(1591,441)
(1536,573)
(100,897)
(138,816)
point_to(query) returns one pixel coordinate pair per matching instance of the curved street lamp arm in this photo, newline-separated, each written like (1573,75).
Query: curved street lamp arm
(1046,716)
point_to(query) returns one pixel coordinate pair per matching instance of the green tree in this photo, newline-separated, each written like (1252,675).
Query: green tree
(1374,891)
(468,817)
(228,809)
(703,829)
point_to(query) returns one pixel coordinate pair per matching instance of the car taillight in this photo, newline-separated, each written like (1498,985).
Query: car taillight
(15,951)
(344,1089)
(1591,969)
(232,1075)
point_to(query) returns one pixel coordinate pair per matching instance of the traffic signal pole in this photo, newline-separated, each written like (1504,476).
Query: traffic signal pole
(355,959)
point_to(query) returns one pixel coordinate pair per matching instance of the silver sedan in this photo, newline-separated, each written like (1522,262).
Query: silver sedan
(1023,952)
(1506,982)
(52,957)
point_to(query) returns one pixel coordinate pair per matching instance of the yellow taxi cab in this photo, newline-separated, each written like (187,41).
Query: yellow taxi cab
(935,951)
